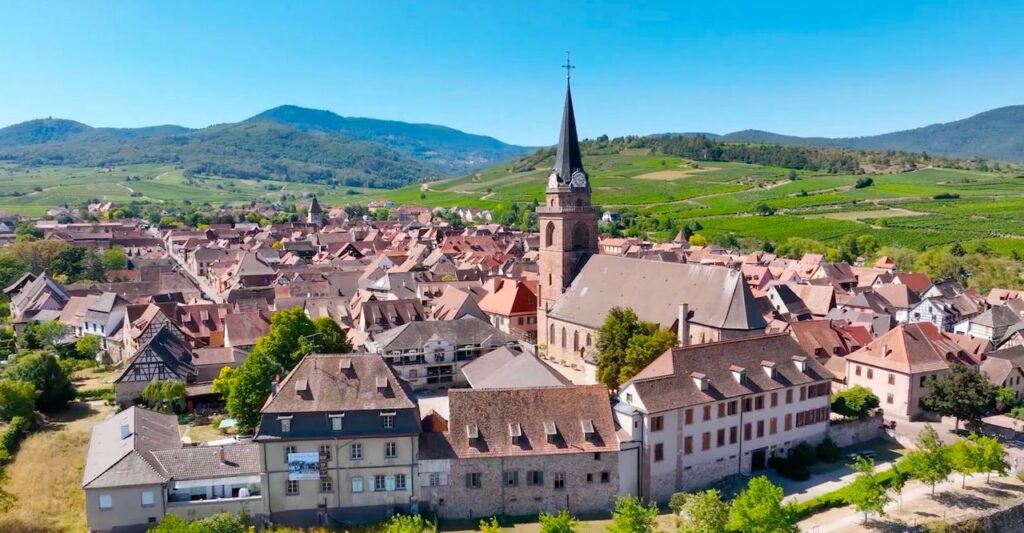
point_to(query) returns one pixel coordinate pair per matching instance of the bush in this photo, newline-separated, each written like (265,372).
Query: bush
(50,380)
(102,393)
(946,196)
(863,182)
(677,501)
(563,522)
(404,523)
(828,451)
(790,468)
(11,436)
(804,453)
(854,402)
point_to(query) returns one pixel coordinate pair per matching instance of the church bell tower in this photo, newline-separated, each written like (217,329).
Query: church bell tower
(567,220)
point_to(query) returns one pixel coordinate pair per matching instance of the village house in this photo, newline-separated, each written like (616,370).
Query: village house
(521,452)
(991,325)
(339,439)
(511,306)
(1005,368)
(701,413)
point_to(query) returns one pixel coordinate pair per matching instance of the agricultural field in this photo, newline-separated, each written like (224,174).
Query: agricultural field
(980,208)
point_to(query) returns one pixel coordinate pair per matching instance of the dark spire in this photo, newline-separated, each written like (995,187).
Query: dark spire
(567,159)
(314,207)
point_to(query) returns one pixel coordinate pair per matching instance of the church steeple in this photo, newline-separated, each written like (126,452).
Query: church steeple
(568,171)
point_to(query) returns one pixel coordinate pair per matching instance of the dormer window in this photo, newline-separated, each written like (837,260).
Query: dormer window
(800,362)
(700,380)
(515,430)
(550,430)
(387,420)
(587,425)
(336,421)
(472,432)
(286,423)
(738,373)
(769,368)
(382,384)
(301,386)
(344,364)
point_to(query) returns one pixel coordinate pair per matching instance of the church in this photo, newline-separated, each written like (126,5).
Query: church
(578,287)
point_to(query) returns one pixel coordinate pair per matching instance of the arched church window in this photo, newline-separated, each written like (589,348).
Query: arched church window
(549,234)
(563,338)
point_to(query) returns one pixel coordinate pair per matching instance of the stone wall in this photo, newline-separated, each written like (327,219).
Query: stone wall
(857,431)
(1006,519)
(495,497)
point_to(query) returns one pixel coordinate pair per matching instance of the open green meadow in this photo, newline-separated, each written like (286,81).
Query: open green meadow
(899,209)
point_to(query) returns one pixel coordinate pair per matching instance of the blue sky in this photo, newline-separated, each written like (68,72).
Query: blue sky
(804,68)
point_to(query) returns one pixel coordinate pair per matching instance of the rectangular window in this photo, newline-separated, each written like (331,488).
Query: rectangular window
(357,484)
(747,431)
(512,478)
(687,445)
(760,428)
(434,479)
(534,477)
(606,477)
(788,424)
(803,393)
(590,478)
(720,439)
(387,421)
(357,452)
(390,450)
(325,452)
(789,395)
(106,502)
(888,398)
(922,380)
(326,485)
(870,374)
(288,450)
(560,481)
(775,399)
(707,413)
(773,426)
(856,370)
(732,407)
(292,487)
(732,434)
(746,405)
(380,483)
(689,417)
(759,403)
(705,441)
(147,498)
(892,378)
(657,423)
(286,424)
(400,482)
(659,452)
(721,410)
(336,422)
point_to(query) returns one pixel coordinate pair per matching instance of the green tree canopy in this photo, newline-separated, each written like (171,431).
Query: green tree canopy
(854,402)
(866,493)
(759,509)
(631,516)
(964,393)
(17,398)
(87,346)
(930,462)
(329,337)
(991,456)
(52,384)
(250,387)
(704,512)
(165,396)
(563,522)
(626,344)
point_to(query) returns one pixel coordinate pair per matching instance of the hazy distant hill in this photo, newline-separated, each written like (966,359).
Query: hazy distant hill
(287,142)
(997,134)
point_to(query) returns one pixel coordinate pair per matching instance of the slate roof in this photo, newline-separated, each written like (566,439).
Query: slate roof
(467,330)
(174,353)
(505,368)
(1001,364)
(495,414)
(718,297)
(999,316)
(331,388)
(115,461)
(567,156)
(201,462)
(668,382)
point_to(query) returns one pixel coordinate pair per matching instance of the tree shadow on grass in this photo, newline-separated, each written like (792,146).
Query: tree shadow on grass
(74,412)
(993,492)
(962,500)
(886,525)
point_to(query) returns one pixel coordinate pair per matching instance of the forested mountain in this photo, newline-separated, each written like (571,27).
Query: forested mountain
(997,134)
(446,148)
(287,142)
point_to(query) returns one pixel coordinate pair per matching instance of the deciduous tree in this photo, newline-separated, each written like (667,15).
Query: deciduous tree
(329,337)
(930,462)
(866,493)
(759,509)
(854,402)
(563,522)
(704,512)
(631,516)
(17,398)
(50,381)
(963,393)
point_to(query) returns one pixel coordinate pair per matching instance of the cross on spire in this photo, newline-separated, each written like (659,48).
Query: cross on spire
(568,66)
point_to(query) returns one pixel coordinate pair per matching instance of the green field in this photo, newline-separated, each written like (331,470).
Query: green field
(898,209)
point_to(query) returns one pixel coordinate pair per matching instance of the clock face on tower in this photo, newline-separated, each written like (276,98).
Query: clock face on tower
(579,179)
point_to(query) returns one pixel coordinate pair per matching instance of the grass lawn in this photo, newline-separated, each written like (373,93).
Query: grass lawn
(529,524)
(201,432)
(47,470)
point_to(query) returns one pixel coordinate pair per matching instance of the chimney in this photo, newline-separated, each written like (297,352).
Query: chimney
(274,384)
(683,330)
(126,431)
(885,350)
(701,380)
(220,455)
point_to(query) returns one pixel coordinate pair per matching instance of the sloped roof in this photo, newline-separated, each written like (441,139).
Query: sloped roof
(898,296)
(173,351)
(200,462)
(718,297)
(910,349)
(999,316)
(331,388)
(505,368)
(464,331)
(668,383)
(1000,364)
(113,461)
(513,296)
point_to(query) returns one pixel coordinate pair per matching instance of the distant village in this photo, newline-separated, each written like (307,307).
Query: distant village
(472,385)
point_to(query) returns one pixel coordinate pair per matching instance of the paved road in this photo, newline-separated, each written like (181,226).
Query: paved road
(208,290)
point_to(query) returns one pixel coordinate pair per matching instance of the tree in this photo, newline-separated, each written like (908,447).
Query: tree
(1005,398)
(114,259)
(218,523)
(563,522)
(50,381)
(631,516)
(759,509)
(165,396)
(406,523)
(329,337)
(939,263)
(866,493)
(964,394)
(290,337)
(791,175)
(899,480)
(854,402)
(930,462)
(613,338)
(964,458)
(991,456)
(250,388)
(644,348)
(225,380)
(17,398)
(87,346)
(704,512)
(903,258)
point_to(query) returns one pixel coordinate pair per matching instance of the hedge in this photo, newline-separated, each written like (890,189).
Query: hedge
(11,436)
(102,393)
(838,497)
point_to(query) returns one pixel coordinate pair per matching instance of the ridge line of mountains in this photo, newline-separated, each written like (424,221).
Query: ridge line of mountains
(299,144)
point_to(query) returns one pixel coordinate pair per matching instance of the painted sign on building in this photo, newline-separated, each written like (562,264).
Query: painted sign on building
(303,466)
